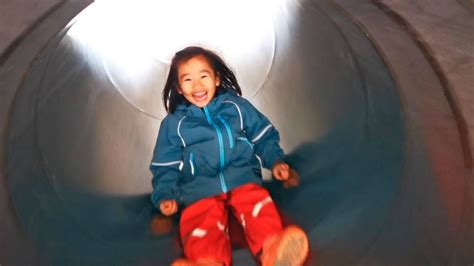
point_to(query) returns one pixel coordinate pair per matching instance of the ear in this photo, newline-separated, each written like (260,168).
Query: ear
(218,81)
(180,91)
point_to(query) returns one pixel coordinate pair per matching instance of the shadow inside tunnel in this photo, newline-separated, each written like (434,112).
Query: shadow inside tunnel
(342,202)
(346,193)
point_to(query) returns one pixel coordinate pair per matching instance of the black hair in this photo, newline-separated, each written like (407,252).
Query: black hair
(171,97)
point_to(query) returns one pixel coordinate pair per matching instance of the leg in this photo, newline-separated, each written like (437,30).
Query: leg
(203,230)
(257,213)
(263,228)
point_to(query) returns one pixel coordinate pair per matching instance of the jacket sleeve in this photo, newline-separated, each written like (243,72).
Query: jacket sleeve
(262,134)
(166,163)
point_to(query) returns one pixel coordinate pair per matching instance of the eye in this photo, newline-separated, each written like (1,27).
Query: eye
(204,76)
(187,80)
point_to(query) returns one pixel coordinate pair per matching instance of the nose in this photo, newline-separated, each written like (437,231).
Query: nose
(196,83)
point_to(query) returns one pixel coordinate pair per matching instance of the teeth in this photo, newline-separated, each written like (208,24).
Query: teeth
(200,95)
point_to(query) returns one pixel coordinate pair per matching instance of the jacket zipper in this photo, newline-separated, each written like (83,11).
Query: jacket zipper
(221,149)
(229,131)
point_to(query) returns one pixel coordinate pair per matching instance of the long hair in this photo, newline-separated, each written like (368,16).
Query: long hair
(171,97)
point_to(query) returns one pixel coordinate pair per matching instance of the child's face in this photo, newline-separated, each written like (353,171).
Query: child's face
(197,81)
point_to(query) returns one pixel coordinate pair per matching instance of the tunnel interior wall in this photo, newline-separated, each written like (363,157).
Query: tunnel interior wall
(13,76)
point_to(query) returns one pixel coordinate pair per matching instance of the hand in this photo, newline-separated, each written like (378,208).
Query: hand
(168,207)
(281,171)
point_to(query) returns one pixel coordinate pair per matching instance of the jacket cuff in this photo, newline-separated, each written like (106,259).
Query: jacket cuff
(274,158)
(157,198)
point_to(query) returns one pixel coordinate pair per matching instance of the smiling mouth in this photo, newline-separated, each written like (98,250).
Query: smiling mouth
(200,96)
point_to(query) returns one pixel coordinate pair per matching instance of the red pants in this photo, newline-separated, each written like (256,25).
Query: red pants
(204,224)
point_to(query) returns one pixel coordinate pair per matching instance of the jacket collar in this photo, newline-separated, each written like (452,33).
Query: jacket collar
(222,94)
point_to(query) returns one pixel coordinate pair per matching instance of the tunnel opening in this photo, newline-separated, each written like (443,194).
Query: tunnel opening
(80,143)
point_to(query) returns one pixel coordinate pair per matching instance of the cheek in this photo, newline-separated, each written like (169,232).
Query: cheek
(212,83)
(183,89)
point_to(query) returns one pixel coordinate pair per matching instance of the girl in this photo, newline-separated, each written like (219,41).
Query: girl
(208,158)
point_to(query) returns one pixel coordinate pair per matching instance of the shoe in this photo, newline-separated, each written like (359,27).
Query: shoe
(288,248)
(199,262)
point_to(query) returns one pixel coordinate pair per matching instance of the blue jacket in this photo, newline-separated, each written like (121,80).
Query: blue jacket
(201,152)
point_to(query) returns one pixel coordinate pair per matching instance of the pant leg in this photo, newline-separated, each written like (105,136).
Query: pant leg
(204,232)
(254,208)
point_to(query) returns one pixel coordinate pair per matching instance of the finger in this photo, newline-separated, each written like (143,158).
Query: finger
(167,212)
(282,171)
(174,207)
(276,173)
(285,174)
(166,205)
(163,209)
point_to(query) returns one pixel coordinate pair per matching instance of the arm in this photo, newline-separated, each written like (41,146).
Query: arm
(266,141)
(263,135)
(165,167)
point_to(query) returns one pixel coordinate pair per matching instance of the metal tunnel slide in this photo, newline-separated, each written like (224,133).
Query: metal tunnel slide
(84,121)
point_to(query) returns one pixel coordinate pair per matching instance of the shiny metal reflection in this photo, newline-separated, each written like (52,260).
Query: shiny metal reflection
(135,52)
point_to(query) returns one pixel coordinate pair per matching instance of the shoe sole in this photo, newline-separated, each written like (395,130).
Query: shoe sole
(293,249)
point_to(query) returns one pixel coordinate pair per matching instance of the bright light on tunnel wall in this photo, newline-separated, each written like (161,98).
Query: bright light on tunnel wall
(133,41)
